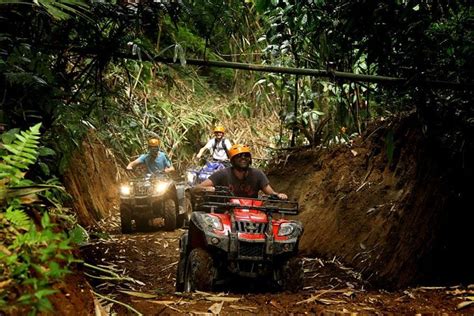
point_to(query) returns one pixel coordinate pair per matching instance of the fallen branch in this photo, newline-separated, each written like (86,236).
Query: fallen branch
(114,275)
(169,266)
(118,302)
(316,297)
(244,308)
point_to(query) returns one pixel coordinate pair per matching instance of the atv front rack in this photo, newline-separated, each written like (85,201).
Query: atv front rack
(217,202)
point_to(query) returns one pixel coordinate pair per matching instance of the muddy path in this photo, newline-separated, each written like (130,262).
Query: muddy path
(135,273)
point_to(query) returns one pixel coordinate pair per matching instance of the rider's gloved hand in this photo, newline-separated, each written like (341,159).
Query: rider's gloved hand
(282,196)
(209,189)
(129,168)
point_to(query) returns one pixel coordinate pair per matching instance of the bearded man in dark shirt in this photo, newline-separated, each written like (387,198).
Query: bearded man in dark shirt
(240,178)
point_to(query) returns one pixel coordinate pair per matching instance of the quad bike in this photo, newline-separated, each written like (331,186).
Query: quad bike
(195,176)
(238,237)
(153,196)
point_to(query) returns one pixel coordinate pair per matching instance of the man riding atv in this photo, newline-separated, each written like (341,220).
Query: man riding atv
(218,146)
(155,160)
(241,179)
(233,232)
(152,196)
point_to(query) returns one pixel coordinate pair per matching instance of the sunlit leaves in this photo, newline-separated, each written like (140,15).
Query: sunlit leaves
(30,257)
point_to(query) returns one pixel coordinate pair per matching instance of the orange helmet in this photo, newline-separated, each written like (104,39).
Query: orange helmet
(153,142)
(238,149)
(219,129)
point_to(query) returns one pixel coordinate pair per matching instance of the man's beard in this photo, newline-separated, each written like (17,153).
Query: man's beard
(241,168)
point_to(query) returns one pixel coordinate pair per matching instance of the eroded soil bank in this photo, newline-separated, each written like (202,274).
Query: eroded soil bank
(392,204)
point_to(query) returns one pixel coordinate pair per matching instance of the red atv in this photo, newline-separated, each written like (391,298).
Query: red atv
(234,236)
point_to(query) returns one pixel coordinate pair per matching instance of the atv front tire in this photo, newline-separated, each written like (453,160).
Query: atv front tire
(200,271)
(126,219)
(141,224)
(169,214)
(188,210)
(292,275)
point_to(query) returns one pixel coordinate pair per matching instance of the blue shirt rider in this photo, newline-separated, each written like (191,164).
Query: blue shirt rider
(155,160)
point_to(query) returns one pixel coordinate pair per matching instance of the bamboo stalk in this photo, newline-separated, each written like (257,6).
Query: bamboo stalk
(118,302)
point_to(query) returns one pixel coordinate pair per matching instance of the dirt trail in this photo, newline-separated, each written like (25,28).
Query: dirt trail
(146,264)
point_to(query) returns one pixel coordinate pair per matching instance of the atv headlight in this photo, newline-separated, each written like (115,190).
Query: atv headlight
(190,176)
(286,229)
(125,189)
(161,187)
(213,222)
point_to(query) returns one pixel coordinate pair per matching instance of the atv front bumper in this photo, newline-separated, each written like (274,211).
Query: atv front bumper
(237,248)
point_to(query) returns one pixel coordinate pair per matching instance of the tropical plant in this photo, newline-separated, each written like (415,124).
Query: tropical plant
(406,39)
(33,255)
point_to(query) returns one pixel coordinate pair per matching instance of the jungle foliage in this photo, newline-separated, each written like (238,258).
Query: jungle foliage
(407,39)
(34,254)
(60,67)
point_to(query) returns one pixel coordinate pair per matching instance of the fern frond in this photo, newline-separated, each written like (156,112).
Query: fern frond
(24,151)
(18,217)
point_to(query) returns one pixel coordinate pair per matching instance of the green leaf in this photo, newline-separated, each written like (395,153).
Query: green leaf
(64,245)
(44,305)
(44,168)
(78,235)
(45,151)
(12,149)
(9,136)
(17,217)
(45,221)
(44,292)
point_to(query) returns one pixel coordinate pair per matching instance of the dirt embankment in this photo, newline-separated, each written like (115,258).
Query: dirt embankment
(392,205)
(91,181)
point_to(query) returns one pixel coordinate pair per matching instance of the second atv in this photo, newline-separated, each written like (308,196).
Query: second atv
(146,198)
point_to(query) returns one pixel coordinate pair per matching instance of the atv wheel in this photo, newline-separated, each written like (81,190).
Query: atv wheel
(180,272)
(188,209)
(126,219)
(292,275)
(141,224)
(169,214)
(181,268)
(200,271)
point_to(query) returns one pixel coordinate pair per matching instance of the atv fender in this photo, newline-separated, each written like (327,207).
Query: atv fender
(197,219)
(183,254)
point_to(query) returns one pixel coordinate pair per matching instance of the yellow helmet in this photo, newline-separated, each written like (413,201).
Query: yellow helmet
(219,129)
(153,142)
(238,149)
